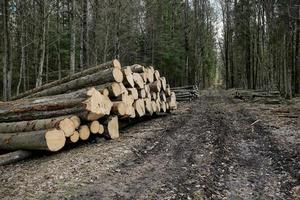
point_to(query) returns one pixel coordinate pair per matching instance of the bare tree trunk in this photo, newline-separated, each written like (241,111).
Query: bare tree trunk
(22,67)
(106,33)
(297,52)
(58,41)
(39,80)
(73,39)
(186,42)
(5,51)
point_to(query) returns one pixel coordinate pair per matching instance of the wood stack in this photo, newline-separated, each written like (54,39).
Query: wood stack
(81,105)
(258,96)
(186,93)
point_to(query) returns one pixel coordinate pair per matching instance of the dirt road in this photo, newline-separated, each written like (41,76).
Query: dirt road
(208,149)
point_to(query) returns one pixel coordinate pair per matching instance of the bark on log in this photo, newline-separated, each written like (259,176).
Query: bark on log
(34,125)
(137,68)
(41,108)
(101,77)
(119,108)
(133,92)
(111,64)
(50,140)
(155,86)
(13,157)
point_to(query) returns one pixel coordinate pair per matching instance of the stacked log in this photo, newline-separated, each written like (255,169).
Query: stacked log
(78,106)
(258,96)
(186,93)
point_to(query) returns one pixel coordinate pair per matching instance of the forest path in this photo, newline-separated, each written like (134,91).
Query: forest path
(207,149)
(205,152)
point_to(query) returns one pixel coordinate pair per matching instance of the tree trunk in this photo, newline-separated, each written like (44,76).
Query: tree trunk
(5,49)
(297,52)
(72,39)
(39,80)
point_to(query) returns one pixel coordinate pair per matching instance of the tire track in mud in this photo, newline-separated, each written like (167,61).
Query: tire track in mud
(207,152)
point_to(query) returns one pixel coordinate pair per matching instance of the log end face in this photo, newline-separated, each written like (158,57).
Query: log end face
(116,89)
(67,126)
(118,75)
(113,128)
(55,140)
(117,64)
(95,127)
(84,132)
(75,137)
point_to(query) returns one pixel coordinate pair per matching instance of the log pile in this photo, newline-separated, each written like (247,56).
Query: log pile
(186,93)
(87,104)
(258,96)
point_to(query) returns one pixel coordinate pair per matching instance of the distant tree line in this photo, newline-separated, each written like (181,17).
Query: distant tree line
(45,40)
(260,48)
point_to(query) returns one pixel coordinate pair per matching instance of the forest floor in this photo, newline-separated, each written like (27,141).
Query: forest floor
(212,148)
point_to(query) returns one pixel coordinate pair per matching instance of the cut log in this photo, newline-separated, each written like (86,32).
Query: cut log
(128,77)
(150,75)
(111,64)
(163,96)
(98,103)
(156,75)
(123,89)
(144,76)
(163,106)
(34,125)
(147,88)
(114,90)
(119,108)
(105,92)
(46,107)
(167,106)
(84,132)
(138,80)
(13,157)
(76,121)
(137,68)
(95,127)
(172,101)
(142,93)
(101,129)
(139,106)
(51,140)
(102,77)
(168,90)
(154,106)
(148,106)
(153,95)
(155,86)
(67,126)
(133,92)
(163,83)
(74,137)
(158,105)
(111,126)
